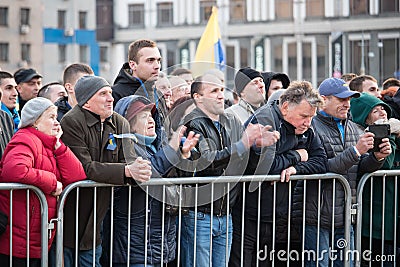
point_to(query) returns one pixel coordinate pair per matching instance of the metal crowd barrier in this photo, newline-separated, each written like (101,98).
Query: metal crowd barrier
(44,221)
(375,249)
(231,181)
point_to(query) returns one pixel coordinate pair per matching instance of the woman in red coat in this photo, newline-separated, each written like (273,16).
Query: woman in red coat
(35,156)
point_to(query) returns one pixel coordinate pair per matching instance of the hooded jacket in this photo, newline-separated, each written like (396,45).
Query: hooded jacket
(162,161)
(360,108)
(30,158)
(269,76)
(125,85)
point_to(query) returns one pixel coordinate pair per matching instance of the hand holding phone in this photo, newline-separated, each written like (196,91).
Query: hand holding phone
(380,131)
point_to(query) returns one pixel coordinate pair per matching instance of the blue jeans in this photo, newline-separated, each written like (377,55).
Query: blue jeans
(85,257)
(326,252)
(220,229)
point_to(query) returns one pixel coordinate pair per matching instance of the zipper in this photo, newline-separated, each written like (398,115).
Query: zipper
(101,140)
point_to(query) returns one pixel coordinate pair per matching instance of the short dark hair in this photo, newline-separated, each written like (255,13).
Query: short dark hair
(390,82)
(5,75)
(135,47)
(356,83)
(196,86)
(44,91)
(71,71)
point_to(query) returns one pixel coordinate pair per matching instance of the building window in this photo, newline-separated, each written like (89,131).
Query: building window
(61,19)
(315,8)
(103,54)
(322,71)
(389,50)
(389,6)
(306,61)
(278,58)
(206,10)
(165,14)
(62,53)
(25,13)
(83,54)
(244,55)
(359,7)
(292,60)
(4,52)
(26,52)
(136,15)
(356,54)
(3,16)
(338,8)
(284,9)
(237,10)
(82,19)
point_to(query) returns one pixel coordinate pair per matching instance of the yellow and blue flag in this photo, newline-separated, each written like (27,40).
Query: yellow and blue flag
(209,50)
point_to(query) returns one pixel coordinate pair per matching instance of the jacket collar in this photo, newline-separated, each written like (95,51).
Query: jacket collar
(244,104)
(329,118)
(47,140)
(291,129)
(93,119)
(198,113)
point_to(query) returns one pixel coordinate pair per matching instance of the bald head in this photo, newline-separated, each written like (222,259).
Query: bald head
(179,88)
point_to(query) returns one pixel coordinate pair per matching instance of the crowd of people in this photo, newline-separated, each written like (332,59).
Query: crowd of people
(153,124)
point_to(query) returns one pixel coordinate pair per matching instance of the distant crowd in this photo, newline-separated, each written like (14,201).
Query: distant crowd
(151,124)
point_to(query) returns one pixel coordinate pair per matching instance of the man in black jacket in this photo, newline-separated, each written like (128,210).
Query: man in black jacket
(223,147)
(138,75)
(298,151)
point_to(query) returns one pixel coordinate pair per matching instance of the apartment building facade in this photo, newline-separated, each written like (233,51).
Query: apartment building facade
(308,39)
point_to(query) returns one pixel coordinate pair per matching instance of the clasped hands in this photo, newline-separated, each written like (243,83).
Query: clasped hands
(259,135)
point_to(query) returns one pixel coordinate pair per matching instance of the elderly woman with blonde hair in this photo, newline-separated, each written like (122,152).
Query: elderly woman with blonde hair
(35,156)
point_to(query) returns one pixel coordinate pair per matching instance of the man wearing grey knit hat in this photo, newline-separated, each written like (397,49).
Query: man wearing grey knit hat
(92,130)
(249,85)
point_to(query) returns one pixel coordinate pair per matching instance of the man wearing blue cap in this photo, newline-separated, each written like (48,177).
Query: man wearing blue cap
(346,146)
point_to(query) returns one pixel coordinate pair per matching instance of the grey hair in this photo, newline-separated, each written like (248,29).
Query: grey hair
(299,90)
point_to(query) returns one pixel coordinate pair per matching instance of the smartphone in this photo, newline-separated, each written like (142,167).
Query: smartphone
(380,131)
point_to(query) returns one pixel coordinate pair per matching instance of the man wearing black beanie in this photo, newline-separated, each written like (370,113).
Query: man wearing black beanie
(249,85)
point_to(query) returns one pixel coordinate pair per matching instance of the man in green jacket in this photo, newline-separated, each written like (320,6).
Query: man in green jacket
(92,130)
